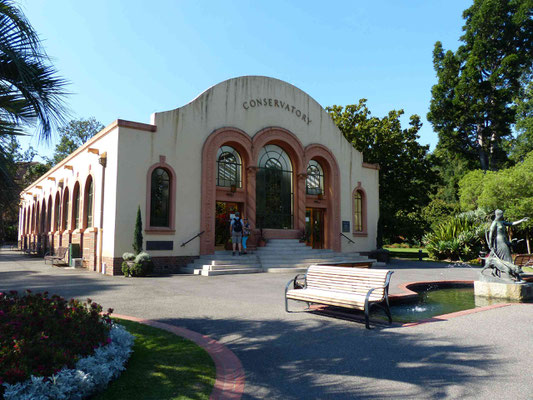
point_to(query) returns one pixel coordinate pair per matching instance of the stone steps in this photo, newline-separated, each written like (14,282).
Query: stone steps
(278,256)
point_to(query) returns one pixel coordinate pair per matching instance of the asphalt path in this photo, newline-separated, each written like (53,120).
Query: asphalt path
(306,356)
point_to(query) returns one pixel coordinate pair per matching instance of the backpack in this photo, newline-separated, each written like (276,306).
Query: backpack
(237,225)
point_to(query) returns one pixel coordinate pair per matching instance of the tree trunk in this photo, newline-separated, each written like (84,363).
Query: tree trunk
(483,154)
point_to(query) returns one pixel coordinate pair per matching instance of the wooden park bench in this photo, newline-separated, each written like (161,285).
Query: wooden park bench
(354,288)
(59,256)
(524,260)
(31,249)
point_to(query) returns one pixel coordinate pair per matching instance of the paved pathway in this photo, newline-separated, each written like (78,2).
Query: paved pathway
(303,356)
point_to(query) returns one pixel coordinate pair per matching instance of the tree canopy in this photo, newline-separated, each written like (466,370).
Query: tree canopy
(472,106)
(73,135)
(406,178)
(510,189)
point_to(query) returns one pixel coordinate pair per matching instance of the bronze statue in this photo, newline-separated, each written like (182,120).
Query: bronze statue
(499,259)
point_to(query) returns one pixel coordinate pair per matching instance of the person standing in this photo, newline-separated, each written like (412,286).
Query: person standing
(245,234)
(236,232)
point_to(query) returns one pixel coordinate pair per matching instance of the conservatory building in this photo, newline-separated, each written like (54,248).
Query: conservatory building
(252,144)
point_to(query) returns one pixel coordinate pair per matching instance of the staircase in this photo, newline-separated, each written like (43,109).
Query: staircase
(279,255)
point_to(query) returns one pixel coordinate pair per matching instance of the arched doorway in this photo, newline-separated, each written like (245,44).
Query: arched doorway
(274,189)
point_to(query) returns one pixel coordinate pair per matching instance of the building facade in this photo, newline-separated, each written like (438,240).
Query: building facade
(253,144)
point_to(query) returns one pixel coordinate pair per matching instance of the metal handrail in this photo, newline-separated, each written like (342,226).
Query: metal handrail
(191,239)
(350,240)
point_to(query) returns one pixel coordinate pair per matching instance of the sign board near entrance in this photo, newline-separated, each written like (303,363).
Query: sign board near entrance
(345,226)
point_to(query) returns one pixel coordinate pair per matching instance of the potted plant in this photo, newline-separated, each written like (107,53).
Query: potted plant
(138,263)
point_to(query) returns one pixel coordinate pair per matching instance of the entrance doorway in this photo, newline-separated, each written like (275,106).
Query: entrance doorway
(223,215)
(274,190)
(314,227)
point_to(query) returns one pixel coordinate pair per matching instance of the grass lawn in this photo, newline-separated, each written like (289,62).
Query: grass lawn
(528,270)
(162,366)
(411,253)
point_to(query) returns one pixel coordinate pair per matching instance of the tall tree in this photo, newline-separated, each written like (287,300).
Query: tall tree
(73,135)
(524,124)
(405,178)
(472,104)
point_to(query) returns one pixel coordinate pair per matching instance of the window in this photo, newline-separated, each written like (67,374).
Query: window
(358,211)
(229,167)
(274,189)
(88,203)
(76,207)
(314,183)
(57,221)
(64,212)
(160,198)
(49,215)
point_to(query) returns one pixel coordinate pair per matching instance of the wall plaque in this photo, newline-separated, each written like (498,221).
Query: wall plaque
(159,245)
(345,226)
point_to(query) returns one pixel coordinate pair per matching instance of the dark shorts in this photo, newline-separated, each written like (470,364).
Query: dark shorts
(236,237)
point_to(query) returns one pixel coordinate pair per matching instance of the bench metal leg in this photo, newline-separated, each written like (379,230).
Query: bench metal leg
(287,305)
(367,314)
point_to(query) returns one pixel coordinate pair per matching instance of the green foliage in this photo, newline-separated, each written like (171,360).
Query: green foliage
(406,178)
(438,211)
(472,103)
(523,144)
(458,238)
(138,235)
(34,172)
(74,134)
(510,190)
(39,335)
(137,268)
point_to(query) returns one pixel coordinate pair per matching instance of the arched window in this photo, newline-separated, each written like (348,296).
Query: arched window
(24,216)
(229,167)
(42,218)
(76,206)
(49,215)
(274,189)
(88,203)
(314,183)
(359,211)
(65,209)
(160,198)
(57,221)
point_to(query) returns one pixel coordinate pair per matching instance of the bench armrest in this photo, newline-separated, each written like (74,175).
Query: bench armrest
(385,288)
(293,281)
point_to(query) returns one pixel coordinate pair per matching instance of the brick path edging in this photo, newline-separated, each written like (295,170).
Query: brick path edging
(229,383)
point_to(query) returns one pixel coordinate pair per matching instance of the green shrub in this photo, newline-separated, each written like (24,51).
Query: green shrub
(458,238)
(142,265)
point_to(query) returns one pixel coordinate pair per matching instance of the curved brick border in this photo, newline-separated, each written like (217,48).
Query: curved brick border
(229,383)
(444,317)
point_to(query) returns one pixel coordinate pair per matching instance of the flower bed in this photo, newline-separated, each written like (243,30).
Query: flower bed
(54,348)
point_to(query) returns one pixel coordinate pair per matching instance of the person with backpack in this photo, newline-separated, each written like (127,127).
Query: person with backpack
(236,232)
(245,234)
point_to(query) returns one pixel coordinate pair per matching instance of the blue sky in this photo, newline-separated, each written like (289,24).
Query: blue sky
(128,59)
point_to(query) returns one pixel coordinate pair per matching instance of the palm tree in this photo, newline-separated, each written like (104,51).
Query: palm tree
(30,91)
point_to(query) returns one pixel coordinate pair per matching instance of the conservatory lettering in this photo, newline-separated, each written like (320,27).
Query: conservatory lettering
(268,102)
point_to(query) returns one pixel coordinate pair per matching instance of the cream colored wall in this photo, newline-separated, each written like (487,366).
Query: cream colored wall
(82,164)
(182,132)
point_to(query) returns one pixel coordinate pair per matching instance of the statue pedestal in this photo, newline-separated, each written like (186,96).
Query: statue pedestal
(494,288)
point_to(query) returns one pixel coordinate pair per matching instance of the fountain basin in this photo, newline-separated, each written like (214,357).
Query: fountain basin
(512,291)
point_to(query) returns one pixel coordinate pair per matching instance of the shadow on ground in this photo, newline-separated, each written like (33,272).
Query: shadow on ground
(286,360)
